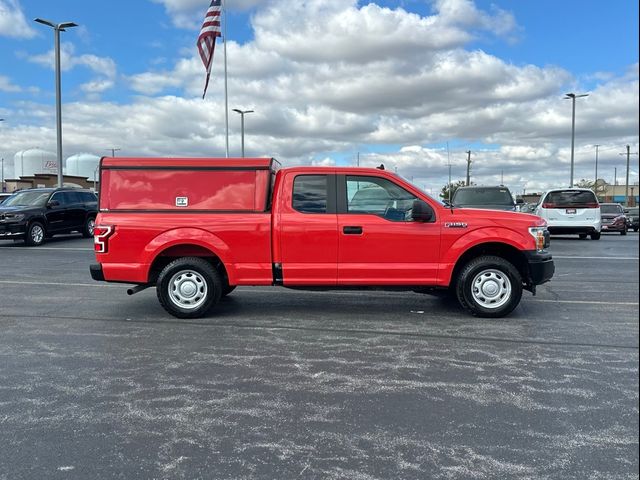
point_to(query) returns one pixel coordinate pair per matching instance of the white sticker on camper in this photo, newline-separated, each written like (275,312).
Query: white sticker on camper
(182,201)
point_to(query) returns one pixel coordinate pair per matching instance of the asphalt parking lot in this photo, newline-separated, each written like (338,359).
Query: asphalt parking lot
(281,384)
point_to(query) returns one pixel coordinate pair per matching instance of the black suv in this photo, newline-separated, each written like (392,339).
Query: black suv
(491,198)
(38,213)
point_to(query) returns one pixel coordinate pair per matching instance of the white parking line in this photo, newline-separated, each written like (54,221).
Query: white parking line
(596,258)
(57,284)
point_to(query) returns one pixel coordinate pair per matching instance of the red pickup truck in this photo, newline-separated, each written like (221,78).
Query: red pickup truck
(198,227)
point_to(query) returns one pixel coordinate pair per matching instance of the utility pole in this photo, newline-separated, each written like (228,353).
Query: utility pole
(468,167)
(626,186)
(358,160)
(113,151)
(449,163)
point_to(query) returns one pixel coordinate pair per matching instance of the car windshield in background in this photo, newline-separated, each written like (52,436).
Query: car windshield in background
(482,196)
(27,199)
(611,209)
(571,198)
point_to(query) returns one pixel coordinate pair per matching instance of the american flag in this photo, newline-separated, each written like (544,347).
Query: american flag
(207,38)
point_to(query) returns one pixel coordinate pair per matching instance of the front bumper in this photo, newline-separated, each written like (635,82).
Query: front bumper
(540,267)
(12,230)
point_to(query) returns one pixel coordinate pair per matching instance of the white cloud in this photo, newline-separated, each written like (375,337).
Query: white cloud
(7,86)
(13,22)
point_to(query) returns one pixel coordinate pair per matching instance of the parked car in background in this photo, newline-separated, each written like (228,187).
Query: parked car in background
(571,211)
(35,214)
(613,218)
(489,198)
(4,196)
(632,218)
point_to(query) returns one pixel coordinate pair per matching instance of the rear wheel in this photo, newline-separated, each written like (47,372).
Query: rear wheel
(188,287)
(624,231)
(35,234)
(87,230)
(489,286)
(595,236)
(582,236)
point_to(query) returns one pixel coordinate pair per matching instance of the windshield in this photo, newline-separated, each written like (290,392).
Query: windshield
(482,196)
(610,209)
(27,199)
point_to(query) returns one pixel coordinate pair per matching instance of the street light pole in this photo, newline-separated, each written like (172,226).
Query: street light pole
(573,97)
(113,151)
(242,113)
(595,180)
(57,28)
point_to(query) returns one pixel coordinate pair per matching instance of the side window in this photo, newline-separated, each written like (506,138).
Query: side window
(379,196)
(58,197)
(310,193)
(71,198)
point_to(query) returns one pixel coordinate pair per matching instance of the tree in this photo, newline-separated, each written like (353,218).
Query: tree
(584,183)
(444,193)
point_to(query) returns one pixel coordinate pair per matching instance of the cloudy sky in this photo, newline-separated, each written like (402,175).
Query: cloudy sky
(413,84)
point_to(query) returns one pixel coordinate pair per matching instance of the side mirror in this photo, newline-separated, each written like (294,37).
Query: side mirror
(421,211)
(53,204)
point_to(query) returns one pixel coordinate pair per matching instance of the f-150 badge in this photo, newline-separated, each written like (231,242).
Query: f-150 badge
(455,225)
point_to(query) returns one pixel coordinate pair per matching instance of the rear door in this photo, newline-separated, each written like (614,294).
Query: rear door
(378,242)
(307,230)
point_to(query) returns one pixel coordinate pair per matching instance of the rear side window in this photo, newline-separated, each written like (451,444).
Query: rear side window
(310,193)
(570,198)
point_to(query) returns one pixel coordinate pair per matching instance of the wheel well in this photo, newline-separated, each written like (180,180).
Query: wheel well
(167,256)
(509,253)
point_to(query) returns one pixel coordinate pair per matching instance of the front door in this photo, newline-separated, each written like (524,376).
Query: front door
(378,242)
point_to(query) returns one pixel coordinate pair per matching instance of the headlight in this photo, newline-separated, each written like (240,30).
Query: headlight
(538,233)
(14,217)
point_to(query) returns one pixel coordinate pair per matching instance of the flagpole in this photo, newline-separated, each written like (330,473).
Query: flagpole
(226,98)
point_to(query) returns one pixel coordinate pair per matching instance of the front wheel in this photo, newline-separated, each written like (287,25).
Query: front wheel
(595,236)
(489,286)
(624,231)
(188,287)
(35,234)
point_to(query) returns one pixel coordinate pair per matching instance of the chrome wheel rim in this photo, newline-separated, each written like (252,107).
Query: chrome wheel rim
(90,226)
(188,289)
(491,288)
(37,234)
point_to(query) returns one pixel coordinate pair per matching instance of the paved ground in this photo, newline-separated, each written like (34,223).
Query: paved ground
(282,384)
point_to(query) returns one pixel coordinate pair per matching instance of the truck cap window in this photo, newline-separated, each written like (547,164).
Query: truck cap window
(310,193)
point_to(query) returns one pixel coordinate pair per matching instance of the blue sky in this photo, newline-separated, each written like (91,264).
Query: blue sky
(486,75)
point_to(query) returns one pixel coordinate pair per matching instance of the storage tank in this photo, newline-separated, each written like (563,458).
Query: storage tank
(34,160)
(82,165)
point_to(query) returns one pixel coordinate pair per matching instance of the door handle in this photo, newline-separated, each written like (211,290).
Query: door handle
(352,230)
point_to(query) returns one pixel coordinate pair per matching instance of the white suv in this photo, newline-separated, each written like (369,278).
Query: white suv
(571,210)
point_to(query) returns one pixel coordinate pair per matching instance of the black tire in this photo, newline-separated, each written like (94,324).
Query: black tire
(635,229)
(489,287)
(188,287)
(595,236)
(582,236)
(35,235)
(624,231)
(87,228)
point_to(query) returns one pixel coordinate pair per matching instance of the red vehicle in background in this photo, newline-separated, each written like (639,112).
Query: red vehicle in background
(196,228)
